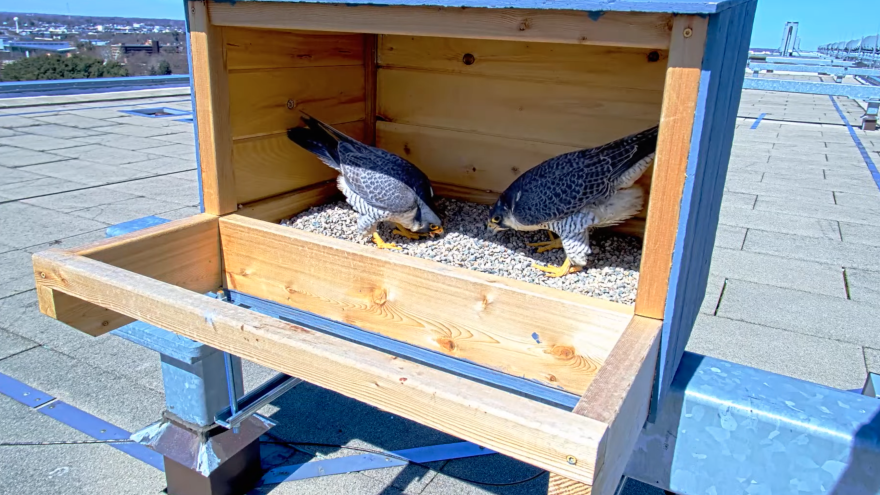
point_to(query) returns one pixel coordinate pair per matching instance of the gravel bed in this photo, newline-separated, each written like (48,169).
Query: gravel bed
(612,273)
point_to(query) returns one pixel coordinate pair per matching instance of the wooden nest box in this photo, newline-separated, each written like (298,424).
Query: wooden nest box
(474,95)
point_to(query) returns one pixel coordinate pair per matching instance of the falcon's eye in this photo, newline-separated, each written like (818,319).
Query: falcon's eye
(434,228)
(496,219)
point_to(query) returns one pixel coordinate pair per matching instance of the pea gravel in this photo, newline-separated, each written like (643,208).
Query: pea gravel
(612,273)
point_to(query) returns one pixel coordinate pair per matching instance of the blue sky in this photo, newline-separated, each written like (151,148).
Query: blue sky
(820,23)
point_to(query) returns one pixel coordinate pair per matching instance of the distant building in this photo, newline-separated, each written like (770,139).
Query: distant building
(118,52)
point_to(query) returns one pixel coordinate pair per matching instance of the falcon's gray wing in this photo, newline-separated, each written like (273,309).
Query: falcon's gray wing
(378,178)
(567,183)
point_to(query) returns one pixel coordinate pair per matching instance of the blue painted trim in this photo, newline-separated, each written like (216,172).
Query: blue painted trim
(365,462)
(102,107)
(662,6)
(118,83)
(718,98)
(101,430)
(758,121)
(855,91)
(134,225)
(150,113)
(17,391)
(192,95)
(512,384)
(834,71)
(872,167)
(77,419)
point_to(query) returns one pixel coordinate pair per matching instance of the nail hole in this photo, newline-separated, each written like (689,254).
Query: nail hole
(653,57)
(468,59)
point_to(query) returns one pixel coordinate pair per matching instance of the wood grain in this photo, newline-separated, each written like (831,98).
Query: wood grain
(485,319)
(370,56)
(259,100)
(560,485)
(286,205)
(521,428)
(570,115)
(211,93)
(185,253)
(584,65)
(270,165)
(248,49)
(673,147)
(560,26)
(620,396)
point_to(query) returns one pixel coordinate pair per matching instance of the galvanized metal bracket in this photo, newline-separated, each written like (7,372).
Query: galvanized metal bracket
(232,417)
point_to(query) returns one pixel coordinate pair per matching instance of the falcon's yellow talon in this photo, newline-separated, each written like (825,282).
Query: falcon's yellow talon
(382,244)
(543,247)
(403,231)
(558,271)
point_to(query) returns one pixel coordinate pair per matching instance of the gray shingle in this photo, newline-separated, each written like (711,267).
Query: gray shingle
(17,157)
(11,343)
(57,131)
(16,273)
(780,191)
(78,200)
(860,234)
(801,312)
(25,225)
(808,209)
(864,285)
(813,249)
(105,155)
(779,351)
(730,237)
(872,360)
(776,222)
(780,272)
(37,143)
(90,173)
(863,201)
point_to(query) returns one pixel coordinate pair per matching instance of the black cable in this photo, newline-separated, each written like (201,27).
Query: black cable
(68,442)
(395,456)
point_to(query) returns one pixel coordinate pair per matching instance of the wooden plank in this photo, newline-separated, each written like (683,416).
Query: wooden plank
(532,110)
(211,95)
(248,49)
(286,205)
(185,253)
(270,165)
(723,69)
(620,397)
(482,318)
(560,485)
(521,428)
(673,147)
(267,102)
(632,29)
(477,168)
(370,56)
(583,65)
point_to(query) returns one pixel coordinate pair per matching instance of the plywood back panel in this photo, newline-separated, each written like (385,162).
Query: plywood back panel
(476,114)
(273,75)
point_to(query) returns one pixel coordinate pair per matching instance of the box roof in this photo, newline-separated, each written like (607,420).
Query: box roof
(672,6)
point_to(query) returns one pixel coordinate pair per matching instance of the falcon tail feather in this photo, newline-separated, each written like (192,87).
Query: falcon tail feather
(317,141)
(645,143)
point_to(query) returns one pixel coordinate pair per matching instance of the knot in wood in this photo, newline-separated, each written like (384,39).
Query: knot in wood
(380,297)
(562,352)
(525,24)
(446,343)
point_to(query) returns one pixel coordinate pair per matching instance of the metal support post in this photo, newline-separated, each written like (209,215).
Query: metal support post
(869,120)
(201,457)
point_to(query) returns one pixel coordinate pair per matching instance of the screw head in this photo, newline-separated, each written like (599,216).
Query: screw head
(572,460)
(653,56)
(42,274)
(688,32)
(291,104)
(468,59)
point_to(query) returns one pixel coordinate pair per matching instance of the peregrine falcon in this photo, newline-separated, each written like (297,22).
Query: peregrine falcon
(574,192)
(380,186)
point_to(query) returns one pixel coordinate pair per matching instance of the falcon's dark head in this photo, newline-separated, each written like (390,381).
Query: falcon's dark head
(501,215)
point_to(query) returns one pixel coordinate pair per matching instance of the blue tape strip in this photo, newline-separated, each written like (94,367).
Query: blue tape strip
(365,462)
(101,430)
(77,419)
(134,225)
(865,155)
(758,121)
(20,392)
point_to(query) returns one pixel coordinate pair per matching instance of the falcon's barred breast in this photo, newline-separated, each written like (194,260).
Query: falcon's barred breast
(572,192)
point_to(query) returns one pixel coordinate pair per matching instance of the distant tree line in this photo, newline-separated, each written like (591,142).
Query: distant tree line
(55,67)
